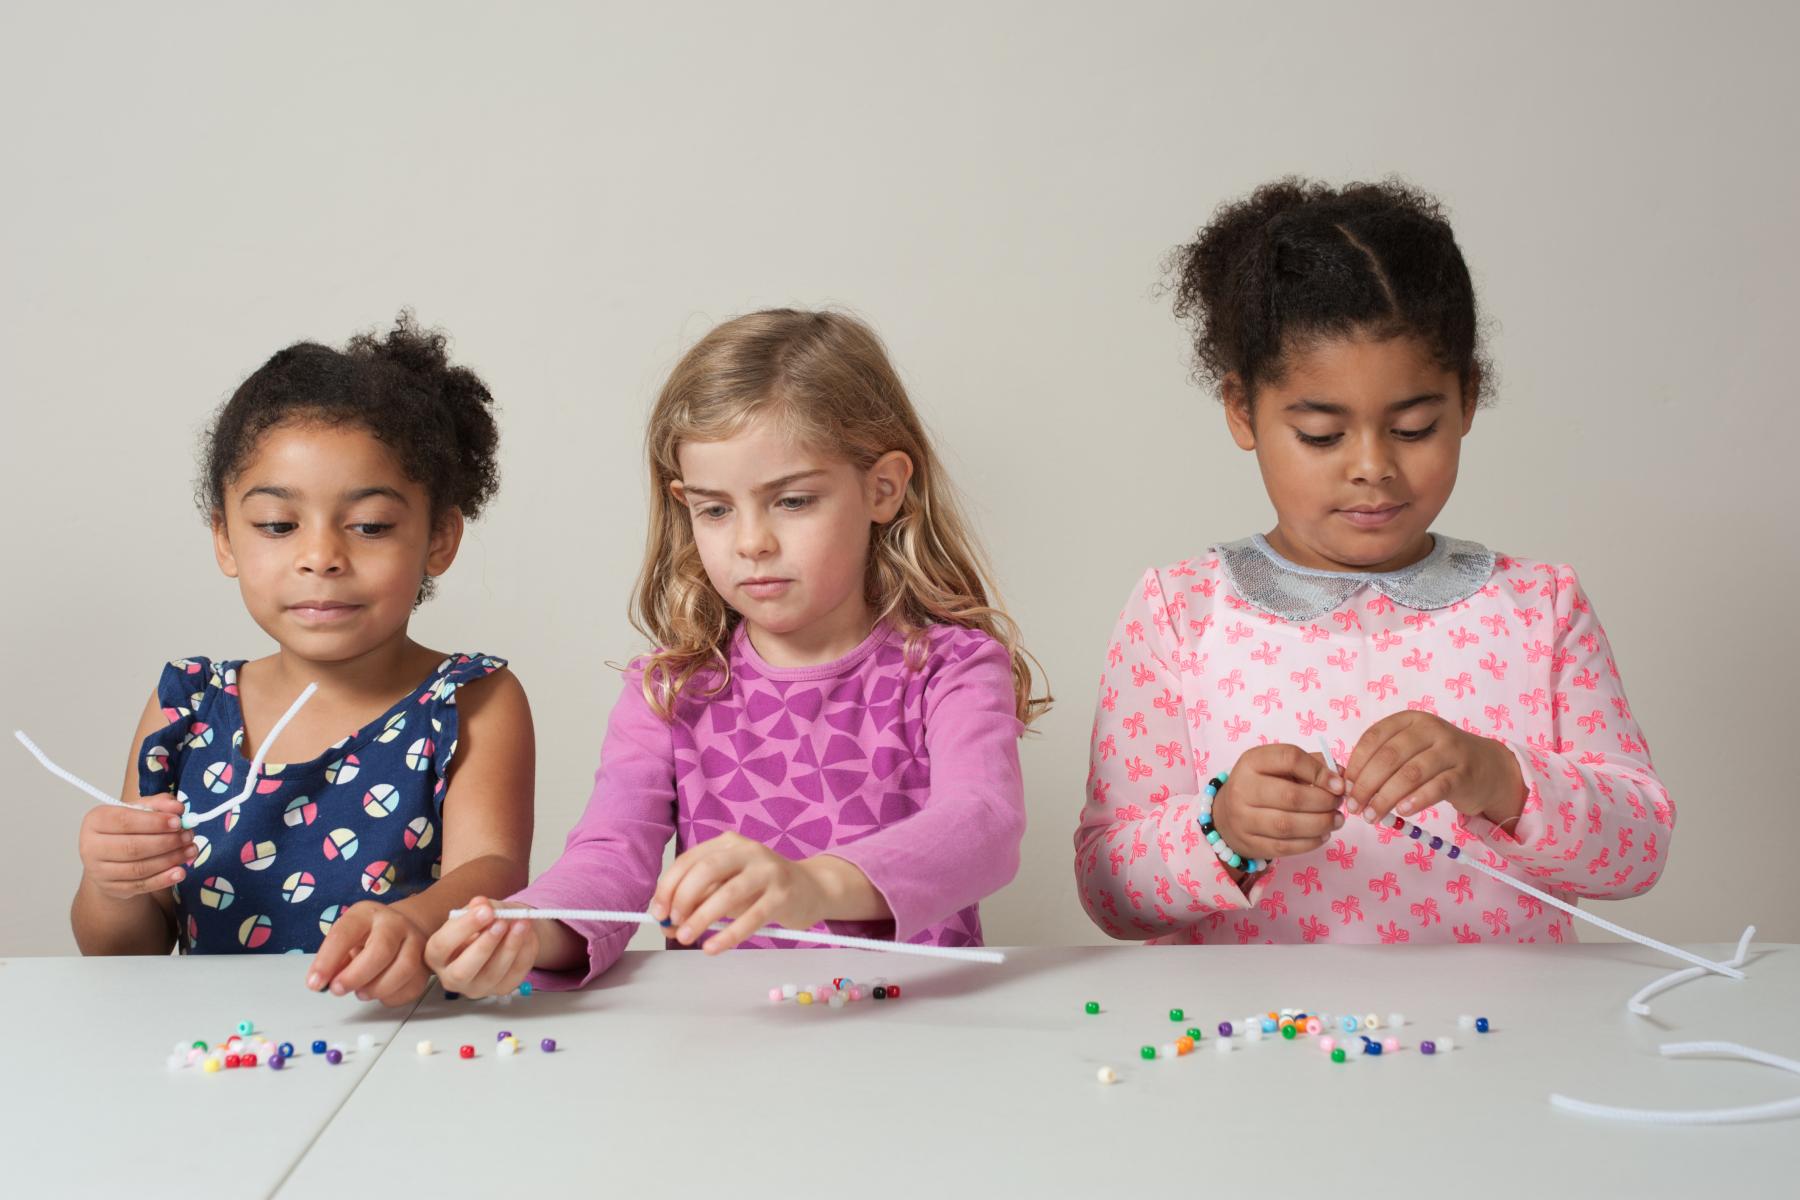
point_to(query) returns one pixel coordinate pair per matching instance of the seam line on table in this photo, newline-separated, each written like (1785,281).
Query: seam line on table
(367,1071)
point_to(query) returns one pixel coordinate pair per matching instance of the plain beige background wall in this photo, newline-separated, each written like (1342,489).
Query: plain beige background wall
(576,192)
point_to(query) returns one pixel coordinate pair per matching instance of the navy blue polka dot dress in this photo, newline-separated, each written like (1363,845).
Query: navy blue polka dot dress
(360,822)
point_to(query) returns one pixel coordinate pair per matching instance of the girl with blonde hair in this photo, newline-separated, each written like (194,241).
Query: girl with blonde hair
(828,724)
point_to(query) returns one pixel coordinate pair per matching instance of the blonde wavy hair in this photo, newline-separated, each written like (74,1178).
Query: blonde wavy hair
(826,379)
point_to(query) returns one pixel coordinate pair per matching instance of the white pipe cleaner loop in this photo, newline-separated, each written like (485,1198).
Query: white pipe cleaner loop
(1696,1116)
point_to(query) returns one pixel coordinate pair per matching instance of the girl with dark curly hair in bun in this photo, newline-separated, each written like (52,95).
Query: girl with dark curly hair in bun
(1470,692)
(336,484)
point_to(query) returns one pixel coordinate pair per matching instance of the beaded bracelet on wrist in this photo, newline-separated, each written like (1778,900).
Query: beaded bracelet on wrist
(1227,855)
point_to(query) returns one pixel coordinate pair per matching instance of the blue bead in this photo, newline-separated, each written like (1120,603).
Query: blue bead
(287,1049)
(319,1047)
(1349,1024)
(1268,1025)
(1373,1049)
(1481,1025)
(525,988)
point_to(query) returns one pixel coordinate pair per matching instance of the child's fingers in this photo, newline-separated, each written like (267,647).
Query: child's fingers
(401,982)
(753,919)
(459,974)
(1328,777)
(369,961)
(728,900)
(489,979)
(336,950)
(1406,781)
(1286,761)
(703,878)
(1282,825)
(455,934)
(131,879)
(662,901)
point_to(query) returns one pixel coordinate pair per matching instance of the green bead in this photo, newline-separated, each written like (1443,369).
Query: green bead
(1148,1052)
(200,1046)
(1337,1056)
(1093,1006)
(1287,1031)
(1175,1014)
(1194,1033)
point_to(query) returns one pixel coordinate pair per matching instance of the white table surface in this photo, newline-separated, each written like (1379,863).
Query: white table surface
(88,1106)
(678,1077)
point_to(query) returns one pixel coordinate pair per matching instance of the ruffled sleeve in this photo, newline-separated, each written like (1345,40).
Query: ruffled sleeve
(185,691)
(436,742)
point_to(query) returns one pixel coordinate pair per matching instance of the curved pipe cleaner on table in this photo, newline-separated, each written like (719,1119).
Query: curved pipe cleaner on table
(962,953)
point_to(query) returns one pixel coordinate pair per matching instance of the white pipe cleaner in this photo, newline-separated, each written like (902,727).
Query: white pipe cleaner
(1696,1116)
(962,953)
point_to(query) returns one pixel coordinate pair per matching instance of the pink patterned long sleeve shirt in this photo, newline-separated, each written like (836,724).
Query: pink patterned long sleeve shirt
(1197,673)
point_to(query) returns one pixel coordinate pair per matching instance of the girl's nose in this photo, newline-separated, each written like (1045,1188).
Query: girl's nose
(755,538)
(1373,463)
(321,554)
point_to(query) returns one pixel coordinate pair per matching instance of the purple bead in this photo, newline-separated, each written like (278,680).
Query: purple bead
(276,1062)
(1415,833)
(503,1035)
(1224,1028)
(334,1057)
(548,1045)
(1456,852)
(1427,1047)
(1437,843)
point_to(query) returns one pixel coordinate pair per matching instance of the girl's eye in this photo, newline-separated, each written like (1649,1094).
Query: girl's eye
(1329,439)
(711,512)
(371,528)
(275,528)
(1416,435)
(793,503)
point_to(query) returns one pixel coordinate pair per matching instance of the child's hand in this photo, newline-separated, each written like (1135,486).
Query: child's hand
(1412,760)
(478,954)
(127,852)
(374,950)
(730,876)
(1279,801)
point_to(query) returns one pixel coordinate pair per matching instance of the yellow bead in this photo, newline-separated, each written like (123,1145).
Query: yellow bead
(804,997)
(212,1064)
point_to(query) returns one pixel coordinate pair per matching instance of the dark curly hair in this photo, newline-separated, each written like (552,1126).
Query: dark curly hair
(437,419)
(1299,260)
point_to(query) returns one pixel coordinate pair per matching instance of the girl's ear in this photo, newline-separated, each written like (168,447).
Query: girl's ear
(884,484)
(222,546)
(1239,415)
(446,538)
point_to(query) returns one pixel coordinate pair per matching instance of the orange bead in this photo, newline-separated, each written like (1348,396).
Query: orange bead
(1183,1045)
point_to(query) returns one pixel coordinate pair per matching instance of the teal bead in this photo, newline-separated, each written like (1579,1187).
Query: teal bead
(1234,861)
(245,1027)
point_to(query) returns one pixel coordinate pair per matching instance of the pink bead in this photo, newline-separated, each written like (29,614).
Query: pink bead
(775,995)
(1313,1026)
(1327,1045)
(856,993)
(1390,1044)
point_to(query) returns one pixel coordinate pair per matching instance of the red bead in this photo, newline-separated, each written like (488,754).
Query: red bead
(893,991)
(232,1060)
(248,1060)
(467,1052)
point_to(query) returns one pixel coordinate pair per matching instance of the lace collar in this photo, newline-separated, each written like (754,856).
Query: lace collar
(1453,571)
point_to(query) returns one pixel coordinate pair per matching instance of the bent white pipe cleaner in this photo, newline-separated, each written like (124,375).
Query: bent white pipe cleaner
(961,953)
(1696,1116)
(191,819)
(1705,964)
(1639,1005)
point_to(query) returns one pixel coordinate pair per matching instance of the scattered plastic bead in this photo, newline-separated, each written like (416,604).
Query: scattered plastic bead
(1268,1025)
(775,996)
(1395,1020)
(244,1027)
(1253,1033)
(789,991)
(422,1048)
(466,1051)
(1224,1029)
(1107,1075)
(211,1065)
(1349,1024)
(1465,1022)
(334,1056)
(525,988)
(507,1048)
(548,1045)
(1222,1046)
(856,993)
(503,1035)
(318,1047)
(194,1056)
(1184,1045)
(287,1049)
(1147,1052)
(1337,1056)
(233,1040)
(1428,1047)
(1168,1050)
(893,991)
(1446,1045)
(247,1060)
(1371,1022)
(837,1000)
(1175,1014)
(1390,1044)
(1327,1044)
(232,1062)
(202,1047)
(1287,1031)
(803,997)
(1195,1034)
(1481,1024)
(277,1061)
(1313,1026)
(453,995)
(1093,1006)
(1353,1049)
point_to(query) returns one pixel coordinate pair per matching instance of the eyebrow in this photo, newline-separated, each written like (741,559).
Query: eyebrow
(1338,410)
(774,485)
(350,497)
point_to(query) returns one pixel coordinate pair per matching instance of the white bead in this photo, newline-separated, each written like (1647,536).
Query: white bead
(176,1062)
(181,1048)
(1107,1075)
(1222,1046)
(837,1000)
(1167,1051)
(365,1042)
(1254,1032)
(1465,1022)
(1395,1020)
(789,991)
(1371,1022)
(1352,1049)
(1445,1045)
(423,1047)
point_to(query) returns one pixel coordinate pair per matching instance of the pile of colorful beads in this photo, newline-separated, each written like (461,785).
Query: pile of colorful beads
(247,1048)
(1359,1038)
(506,1045)
(839,992)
